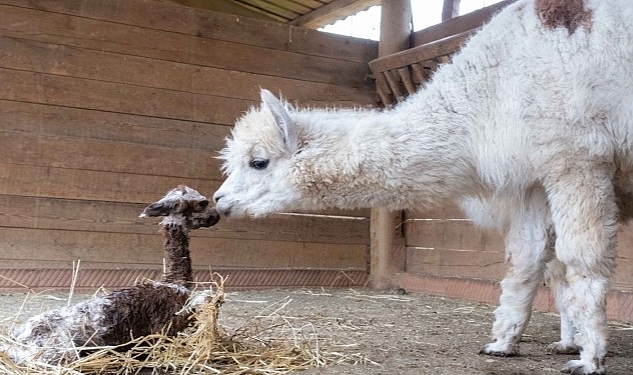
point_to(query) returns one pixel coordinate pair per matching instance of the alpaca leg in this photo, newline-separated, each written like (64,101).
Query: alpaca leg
(584,215)
(526,252)
(558,284)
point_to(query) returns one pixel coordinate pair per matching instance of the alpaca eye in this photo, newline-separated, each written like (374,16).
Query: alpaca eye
(259,164)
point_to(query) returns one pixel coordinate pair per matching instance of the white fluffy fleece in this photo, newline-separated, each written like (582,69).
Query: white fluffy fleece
(530,129)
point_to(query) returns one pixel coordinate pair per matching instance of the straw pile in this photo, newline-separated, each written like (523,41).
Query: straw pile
(264,345)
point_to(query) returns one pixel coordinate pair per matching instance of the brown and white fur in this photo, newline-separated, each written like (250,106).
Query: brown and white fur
(150,307)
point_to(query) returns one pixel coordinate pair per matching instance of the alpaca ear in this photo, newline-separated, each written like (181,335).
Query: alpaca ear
(282,118)
(157,209)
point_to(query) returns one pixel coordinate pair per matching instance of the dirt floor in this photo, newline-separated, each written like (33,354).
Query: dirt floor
(387,333)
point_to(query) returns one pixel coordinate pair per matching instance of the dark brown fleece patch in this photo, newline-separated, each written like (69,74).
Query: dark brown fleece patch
(143,310)
(570,14)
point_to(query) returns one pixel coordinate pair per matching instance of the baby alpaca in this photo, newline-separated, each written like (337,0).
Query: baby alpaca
(150,307)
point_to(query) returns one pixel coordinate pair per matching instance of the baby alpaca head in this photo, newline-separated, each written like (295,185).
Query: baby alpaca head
(258,162)
(183,206)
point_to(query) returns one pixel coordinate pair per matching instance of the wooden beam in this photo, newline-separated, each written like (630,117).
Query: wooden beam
(450,9)
(457,25)
(224,7)
(395,27)
(387,242)
(421,53)
(334,11)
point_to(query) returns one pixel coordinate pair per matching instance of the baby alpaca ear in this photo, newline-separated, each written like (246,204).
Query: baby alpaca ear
(282,119)
(157,209)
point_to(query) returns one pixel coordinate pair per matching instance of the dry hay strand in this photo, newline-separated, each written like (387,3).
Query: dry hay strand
(203,348)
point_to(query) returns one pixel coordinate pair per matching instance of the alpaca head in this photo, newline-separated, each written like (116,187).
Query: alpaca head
(258,162)
(184,205)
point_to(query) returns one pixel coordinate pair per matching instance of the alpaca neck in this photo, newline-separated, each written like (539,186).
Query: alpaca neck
(415,155)
(177,258)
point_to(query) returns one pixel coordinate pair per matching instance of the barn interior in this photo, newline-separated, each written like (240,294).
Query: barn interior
(107,105)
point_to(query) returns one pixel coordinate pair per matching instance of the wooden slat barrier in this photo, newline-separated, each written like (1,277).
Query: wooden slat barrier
(401,74)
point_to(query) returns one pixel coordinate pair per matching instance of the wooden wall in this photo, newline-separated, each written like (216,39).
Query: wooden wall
(105,105)
(447,255)
(444,243)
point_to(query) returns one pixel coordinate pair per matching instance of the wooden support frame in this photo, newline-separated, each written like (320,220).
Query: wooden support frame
(450,9)
(331,12)
(387,242)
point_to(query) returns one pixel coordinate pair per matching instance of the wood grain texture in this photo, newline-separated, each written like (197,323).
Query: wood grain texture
(456,248)
(116,97)
(55,28)
(117,67)
(107,105)
(115,217)
(54,182)
(118,249)
(77,123)
(456,263)
(456,25)
(451,234)
(208,24)
(98,155)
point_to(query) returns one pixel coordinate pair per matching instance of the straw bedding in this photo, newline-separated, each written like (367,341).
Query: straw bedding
(266,344)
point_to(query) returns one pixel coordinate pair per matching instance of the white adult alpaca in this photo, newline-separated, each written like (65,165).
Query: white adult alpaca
(530,129)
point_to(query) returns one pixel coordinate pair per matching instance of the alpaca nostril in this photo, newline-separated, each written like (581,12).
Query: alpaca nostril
(203,204)
(217,197)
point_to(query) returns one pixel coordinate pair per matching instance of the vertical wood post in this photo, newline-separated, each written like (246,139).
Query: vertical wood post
(450,9)
(387,245)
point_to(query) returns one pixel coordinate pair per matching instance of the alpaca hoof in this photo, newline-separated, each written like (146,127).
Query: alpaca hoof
(494,349)
(580,367)
(561,348)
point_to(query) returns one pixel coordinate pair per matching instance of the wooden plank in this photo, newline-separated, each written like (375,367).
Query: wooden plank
(451,234)
(448,211)
(26,245)
(386,240)
(214,25)
(456,263)
(464,235)
(294,6)
(331,12)
(121,98)
(394,84)
(97,155)
(108,217)
(407,80)
(90,278)
(98,35)
(271,8)
(624,260)
(625,241)
(81,124)
(485,265)
(223,6)
(420,75)
(450,9)
(420,53)
(52,182)
(622,278)
(65,183)
(105,66)
(382,86)
(457,25)
(322,229)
